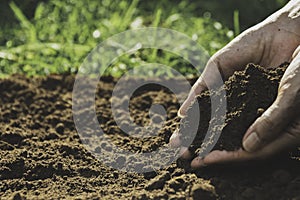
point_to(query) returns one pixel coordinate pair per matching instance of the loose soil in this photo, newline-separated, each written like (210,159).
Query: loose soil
(43,157)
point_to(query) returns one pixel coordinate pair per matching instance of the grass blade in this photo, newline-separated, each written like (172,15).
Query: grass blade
(25,23)
(236,22)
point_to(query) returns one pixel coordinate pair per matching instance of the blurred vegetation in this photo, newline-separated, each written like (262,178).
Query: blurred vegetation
(54,36)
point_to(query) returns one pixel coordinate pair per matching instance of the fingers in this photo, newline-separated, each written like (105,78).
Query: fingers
(219,157)
(267,127)
(290,138)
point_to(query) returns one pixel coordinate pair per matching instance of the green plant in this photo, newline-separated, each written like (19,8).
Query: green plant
(62,33)
(236,22)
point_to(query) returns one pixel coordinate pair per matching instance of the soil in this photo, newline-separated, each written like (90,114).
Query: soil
(43,157)
(248,94)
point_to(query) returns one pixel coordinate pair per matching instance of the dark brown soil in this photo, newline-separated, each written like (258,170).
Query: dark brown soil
(248,94)
(42,156)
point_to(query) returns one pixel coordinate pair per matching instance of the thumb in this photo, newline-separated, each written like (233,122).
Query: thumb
(268,127)
(196,90)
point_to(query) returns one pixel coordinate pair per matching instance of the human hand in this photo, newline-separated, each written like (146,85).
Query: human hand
(278,129)
(269,43)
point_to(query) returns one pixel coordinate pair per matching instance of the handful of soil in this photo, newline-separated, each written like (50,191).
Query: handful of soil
(249,93)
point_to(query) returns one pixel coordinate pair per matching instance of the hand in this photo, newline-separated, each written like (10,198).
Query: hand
(278,129)
(269,43)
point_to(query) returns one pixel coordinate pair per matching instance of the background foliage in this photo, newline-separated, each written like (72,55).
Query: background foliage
(54,36)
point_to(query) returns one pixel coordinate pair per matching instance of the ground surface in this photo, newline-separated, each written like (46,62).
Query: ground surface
(42,156)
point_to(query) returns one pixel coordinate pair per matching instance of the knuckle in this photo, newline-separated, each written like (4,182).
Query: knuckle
(236,155)
(294,130)
(197,88)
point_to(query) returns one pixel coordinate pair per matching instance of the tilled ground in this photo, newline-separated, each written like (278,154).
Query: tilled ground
(43,157)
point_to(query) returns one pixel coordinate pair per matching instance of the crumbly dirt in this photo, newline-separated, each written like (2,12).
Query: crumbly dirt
(43,157)
(248,94)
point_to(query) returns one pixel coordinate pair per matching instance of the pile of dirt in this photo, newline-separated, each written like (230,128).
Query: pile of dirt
(42,155)
(248,94)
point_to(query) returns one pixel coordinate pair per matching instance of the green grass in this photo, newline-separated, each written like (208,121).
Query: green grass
(62,33)
(236,22)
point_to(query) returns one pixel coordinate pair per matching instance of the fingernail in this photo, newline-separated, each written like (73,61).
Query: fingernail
(252,142)
(174,140)
(198,163)
(180,114)
(174,135)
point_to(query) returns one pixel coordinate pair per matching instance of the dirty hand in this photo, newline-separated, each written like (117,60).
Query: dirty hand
(276,130)
(269,43)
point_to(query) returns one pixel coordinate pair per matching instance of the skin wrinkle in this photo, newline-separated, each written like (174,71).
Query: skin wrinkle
(293,131)
(218,64)
(263,51)
(292,32)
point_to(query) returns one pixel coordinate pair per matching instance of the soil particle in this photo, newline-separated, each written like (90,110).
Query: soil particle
(282,176)
(60,127)
(17,196)
(159,181)
(202,191)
